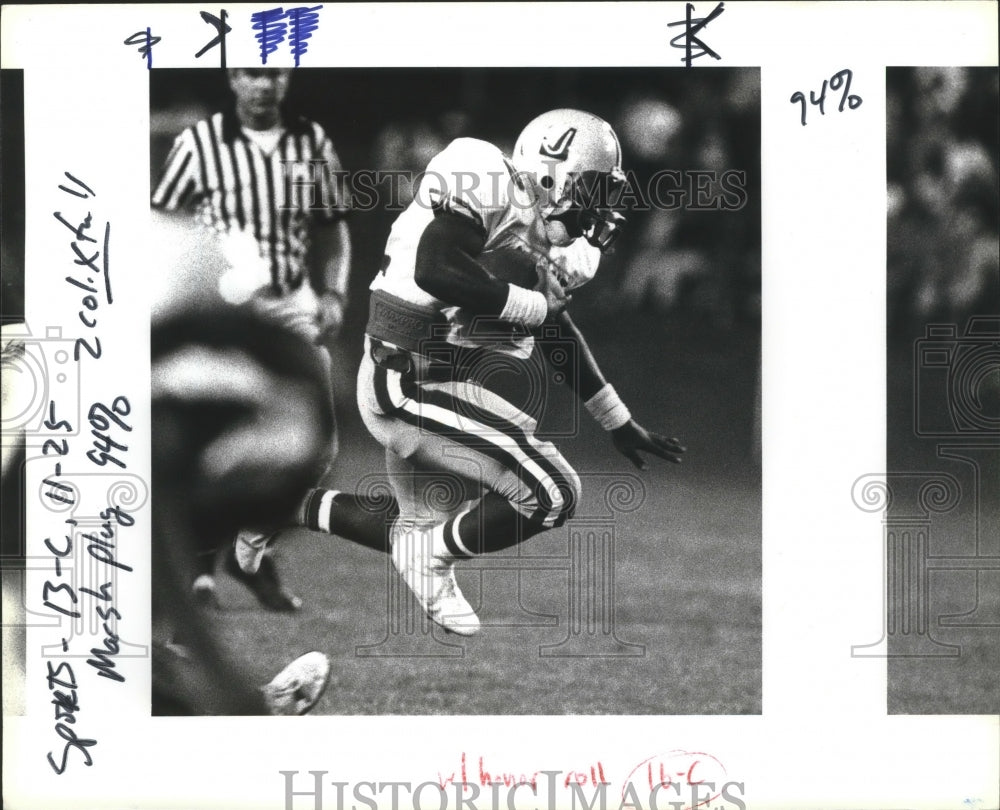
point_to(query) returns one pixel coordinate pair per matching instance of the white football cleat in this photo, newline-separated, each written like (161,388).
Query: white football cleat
(431,577)
(250,548)
(299,686)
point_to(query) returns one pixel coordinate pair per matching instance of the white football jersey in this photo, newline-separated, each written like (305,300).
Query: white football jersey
(472,178)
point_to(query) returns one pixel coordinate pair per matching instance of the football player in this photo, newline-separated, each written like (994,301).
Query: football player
(488,252)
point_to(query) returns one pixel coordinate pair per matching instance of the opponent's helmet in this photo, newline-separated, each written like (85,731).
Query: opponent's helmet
(576,162)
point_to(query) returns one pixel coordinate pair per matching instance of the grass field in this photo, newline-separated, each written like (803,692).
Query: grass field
(686,635)
(687,576)
(957,670)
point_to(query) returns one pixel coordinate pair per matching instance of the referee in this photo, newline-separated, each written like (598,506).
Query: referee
(263,183)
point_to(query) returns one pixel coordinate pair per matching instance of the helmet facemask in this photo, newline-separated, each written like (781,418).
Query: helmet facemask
(587,207)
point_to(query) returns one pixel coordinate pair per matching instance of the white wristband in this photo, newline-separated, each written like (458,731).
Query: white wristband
(607,408)
(525,307)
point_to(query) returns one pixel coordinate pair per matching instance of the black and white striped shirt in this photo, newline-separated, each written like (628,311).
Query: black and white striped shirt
(232,183)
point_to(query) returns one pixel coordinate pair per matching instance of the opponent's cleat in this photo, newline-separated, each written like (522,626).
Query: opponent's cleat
(431,577)
(299,686)
(265,584)
(203,592)
(250,548)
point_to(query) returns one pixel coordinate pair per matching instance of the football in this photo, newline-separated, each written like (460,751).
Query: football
(513,265)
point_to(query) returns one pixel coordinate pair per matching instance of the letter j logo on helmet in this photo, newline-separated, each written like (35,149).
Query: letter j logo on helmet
(560,149)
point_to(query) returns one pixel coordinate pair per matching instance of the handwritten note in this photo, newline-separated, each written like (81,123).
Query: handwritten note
(840,79)
(91,272)
(271,28)
(679,779)
(86,555)
(689,41)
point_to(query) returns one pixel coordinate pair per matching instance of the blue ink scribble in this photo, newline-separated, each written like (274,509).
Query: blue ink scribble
(304,22)
(271,29)
(145,40)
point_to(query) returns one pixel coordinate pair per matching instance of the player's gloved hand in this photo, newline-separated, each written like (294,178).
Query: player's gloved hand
(631,438)
(556,298)
(329,315)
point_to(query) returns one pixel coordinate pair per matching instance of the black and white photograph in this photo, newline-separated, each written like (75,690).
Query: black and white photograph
(487,405)
(942,492)
(19,372)
(519,491)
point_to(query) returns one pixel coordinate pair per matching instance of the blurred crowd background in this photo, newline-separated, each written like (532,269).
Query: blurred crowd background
(701,266)
(943,132)
(943,139)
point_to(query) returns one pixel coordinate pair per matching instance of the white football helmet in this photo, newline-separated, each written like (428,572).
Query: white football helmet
(575,161)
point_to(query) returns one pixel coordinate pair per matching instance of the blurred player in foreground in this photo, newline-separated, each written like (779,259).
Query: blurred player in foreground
(242,427)
(486,254)
(262,183)
(240,415)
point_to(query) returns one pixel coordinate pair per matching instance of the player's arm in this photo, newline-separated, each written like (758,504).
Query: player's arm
(181,181)
(447,267)
(600,399)
(330,268)
(330,260)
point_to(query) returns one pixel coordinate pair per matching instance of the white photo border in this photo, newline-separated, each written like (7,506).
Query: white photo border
(824,739)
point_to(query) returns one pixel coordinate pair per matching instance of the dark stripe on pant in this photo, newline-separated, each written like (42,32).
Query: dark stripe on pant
(498,454)
(509,429)
(382,391)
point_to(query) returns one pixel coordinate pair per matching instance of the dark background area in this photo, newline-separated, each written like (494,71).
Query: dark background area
(12,194)
(694,265)
(673,317)
(12,296)
(12,492)
(943,388)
